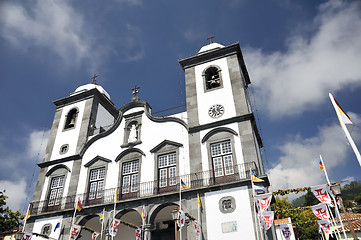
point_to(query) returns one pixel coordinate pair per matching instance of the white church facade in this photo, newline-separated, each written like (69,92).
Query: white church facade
(96,151)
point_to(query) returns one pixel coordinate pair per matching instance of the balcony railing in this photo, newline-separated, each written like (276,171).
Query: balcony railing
(146,189)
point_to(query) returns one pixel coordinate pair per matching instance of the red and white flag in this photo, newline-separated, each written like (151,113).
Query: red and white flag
(321,193)
(74,232)
(27,236)
(197,228)
(95,235)
(114,227)
(138,234)
(267,219)
(325,225)
(263,201)
(321,211)
(287,230)
(181,220)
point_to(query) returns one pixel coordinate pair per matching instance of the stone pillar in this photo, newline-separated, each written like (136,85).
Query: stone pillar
(148,228)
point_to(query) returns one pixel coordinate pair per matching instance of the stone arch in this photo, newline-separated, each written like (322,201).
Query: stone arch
(91,223)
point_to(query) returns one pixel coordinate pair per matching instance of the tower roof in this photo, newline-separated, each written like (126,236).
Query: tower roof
(209,47)
(90,86)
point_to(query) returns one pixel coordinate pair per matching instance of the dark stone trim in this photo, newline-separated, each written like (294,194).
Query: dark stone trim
(103,134)
(249,117)
(130,150)
(61,160)
(166,119)
(216,54)
(217,130)
(56,168)
(97,158)
(134,114)
(134,104)
(84,95)
(121,116)
(164,143)
(222,122)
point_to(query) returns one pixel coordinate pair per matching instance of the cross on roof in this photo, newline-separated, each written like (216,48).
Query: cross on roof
(135,90)
(94,79)
(210,38)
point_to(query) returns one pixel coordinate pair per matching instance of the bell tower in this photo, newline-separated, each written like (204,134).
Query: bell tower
(217,100)
(78,117)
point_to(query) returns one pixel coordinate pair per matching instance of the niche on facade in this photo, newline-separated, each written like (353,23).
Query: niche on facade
(132,132)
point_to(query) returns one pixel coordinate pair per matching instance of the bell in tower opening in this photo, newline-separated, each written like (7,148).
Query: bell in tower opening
(212,78)
(71,119)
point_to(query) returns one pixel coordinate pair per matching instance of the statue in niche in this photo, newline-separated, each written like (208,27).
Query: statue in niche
(133,134)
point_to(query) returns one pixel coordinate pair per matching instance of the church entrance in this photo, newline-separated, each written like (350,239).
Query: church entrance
(164,234)
(164,224)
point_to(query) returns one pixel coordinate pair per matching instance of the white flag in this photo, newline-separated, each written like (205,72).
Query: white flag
(74,232)
(114,227)
(262,202)
(138,234)
(320,211)
(287,230)
(321,193)
(27,236)
(267,219)
(325,225)
(181,220)
(196,227)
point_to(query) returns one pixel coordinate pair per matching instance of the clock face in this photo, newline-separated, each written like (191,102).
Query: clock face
(216,111)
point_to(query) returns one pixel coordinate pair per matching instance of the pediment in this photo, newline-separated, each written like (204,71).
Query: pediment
(165,143)
(96,159)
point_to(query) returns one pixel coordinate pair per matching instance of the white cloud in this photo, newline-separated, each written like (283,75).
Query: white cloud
(299,79)
(37,143)
(51,25)
(18,170)
(16,192)
(298,164)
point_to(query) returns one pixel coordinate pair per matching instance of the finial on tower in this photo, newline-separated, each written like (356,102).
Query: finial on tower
(210,38)
(135,91)
(94,79)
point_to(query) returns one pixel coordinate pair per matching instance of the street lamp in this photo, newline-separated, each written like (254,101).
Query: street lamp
(175,217)
(336,189)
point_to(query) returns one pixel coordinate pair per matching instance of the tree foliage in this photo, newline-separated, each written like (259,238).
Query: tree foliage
(303,218)
(8,219)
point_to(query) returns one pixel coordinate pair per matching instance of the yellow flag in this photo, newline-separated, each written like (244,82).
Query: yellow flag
(115,195)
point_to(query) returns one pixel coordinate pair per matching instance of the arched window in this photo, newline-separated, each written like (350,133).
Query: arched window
(212,77)
(71,118)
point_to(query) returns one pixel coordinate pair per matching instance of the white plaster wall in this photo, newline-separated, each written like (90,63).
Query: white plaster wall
(223,96)
(242,215)
(66,184)
(69,136)
(237,146)
(39,223)
(104,118)
(152,134)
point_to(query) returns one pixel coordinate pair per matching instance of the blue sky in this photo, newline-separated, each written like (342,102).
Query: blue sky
(296,53)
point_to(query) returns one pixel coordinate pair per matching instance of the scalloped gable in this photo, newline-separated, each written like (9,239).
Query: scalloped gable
(163,144)
(96,159)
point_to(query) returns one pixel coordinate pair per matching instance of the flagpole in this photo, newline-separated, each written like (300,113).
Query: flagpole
(343,126)
(115,204)
(26,216)
(333,222)
(334,201)
(180,205)
(101,231)
(199,215)
(255,208)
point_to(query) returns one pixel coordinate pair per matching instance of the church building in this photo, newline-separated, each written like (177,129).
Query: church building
(132,162)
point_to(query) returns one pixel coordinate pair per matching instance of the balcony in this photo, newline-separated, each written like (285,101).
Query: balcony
(147,189)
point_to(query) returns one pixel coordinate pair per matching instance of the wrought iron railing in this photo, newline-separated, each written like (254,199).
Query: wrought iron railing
(152,188)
